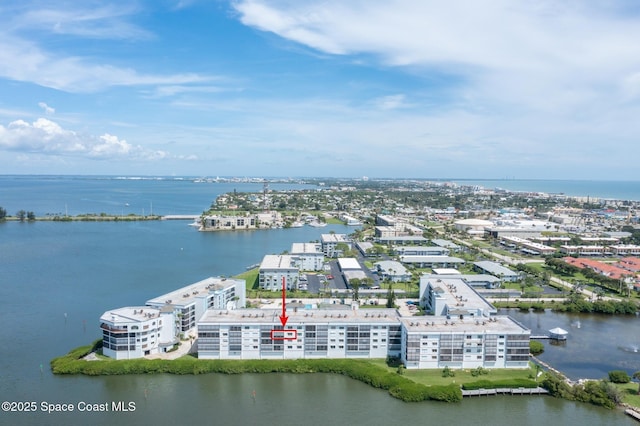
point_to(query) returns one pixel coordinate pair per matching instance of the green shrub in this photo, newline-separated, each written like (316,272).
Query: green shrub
(535,347)
(619,376)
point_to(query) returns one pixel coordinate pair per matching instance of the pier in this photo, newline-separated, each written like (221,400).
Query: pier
(181,217)
(632,413)
(505,391)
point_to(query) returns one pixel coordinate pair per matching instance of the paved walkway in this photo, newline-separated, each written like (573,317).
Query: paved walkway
(186,346)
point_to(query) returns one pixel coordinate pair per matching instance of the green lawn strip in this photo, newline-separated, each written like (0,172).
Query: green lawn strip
(630,393)
(433,377)
(251,278)
(334,221)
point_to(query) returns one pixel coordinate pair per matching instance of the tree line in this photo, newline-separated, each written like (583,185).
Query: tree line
(21,215)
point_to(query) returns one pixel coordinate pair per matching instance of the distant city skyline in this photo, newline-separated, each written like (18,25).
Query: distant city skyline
(465,89)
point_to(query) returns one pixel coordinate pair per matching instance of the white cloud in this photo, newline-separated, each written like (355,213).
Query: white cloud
(520,84)
(46,108)
(390,102)
(511,52)
(21,60)
(24,58)
(44,136)
(86,19)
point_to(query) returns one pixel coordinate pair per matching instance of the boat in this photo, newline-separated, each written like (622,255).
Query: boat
(317,224)
(297,224)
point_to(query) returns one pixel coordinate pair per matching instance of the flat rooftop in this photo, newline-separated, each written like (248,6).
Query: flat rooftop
(315,316)
(130,314)
(277,261)
(306,248)
(188,294)
(346,263)
(430,259)
(497,324)
(494,268)
(445,243)
(334,238)
(457,293)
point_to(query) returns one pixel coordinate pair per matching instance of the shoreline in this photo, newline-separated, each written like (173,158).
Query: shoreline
(83,360)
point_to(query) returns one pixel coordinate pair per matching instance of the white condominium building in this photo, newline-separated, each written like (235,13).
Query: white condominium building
(276,267)
(420,342)
(335,333)
(309,256)
(134,332)
(330,243)
(190,302)
(451,297)
(438,342)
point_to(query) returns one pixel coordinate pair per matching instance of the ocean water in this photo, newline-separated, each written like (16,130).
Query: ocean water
(75,195)
(616,190)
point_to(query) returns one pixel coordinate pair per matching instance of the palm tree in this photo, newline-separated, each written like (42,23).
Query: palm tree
(538,368)
(636,376)
(355,285)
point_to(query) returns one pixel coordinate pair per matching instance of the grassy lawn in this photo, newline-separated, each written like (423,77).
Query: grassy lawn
(251,277)
(434,377)
(334,221)
(630,393)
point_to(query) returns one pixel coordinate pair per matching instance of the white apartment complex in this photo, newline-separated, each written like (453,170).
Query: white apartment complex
(190,302)
(333,333)
(438,342)
(274,268)
(241,221)
(330,243)
(133,332)
(451,297)
(309,256)
(420,342)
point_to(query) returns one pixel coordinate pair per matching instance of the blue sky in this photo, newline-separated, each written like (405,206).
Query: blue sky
(346,88)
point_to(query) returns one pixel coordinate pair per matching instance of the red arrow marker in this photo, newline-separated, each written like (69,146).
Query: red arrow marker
(284,317)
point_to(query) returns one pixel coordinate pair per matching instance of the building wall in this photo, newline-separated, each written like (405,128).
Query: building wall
(460,349)
(248,340)
(230,222)
(309,261)
(128,338)
(271,280)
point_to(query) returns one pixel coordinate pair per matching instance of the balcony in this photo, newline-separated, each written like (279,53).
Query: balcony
(113,329)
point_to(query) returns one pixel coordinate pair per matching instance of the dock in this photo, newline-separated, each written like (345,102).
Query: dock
(632,413)
(541,336)
(505,391)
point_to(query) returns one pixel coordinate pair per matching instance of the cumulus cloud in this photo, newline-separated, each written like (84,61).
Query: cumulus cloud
(46,108)
(44,136)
